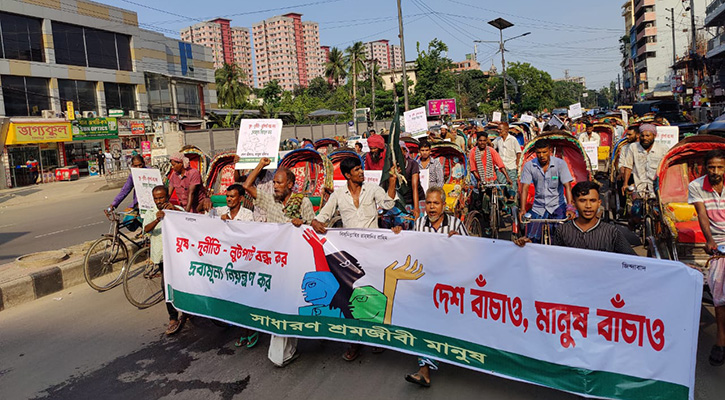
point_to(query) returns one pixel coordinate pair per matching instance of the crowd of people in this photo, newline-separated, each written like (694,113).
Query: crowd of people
(273,200)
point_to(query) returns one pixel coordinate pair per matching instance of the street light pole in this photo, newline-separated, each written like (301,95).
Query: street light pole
(402,51)
(506,102)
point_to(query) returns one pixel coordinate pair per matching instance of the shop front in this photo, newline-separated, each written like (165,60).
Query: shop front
(136,136)
(33,148)
(90,136)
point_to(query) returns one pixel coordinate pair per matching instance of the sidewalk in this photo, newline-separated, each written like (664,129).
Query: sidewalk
(44,273)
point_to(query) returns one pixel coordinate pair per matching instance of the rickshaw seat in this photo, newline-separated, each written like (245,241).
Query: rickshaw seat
(689,232)
(682,211)
(452,194)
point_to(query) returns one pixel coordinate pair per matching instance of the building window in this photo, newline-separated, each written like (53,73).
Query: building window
(159,94)
(25,96)
(81,93)
(88,47)
(120,96)
(187,99)
(22,38)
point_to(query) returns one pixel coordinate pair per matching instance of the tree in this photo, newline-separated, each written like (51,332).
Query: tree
(271,93)
(566,93)
(435,79)
(335,68)
(534,86)
(355,60)
(319,87)
(231,92)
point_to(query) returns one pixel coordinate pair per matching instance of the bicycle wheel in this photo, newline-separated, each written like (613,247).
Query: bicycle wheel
(473,224)
(493,220)
(104,263)
(142,280)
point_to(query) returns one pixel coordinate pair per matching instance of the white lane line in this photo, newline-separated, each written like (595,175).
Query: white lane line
(7,226)
(69,229)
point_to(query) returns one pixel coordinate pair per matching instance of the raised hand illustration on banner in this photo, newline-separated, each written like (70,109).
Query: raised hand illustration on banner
(393,274)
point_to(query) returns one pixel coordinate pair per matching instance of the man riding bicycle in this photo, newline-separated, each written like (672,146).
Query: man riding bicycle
(484,163)
(552,188)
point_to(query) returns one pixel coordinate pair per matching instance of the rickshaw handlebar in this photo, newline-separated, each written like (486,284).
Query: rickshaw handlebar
(545,221)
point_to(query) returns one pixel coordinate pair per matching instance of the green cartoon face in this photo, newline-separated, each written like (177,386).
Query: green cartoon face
(368,304)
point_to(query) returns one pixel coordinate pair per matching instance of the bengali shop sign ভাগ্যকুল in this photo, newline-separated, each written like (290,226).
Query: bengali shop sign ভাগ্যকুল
(592,323)
(258,138)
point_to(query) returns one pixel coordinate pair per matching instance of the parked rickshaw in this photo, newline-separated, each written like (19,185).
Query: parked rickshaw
(313,174)
(563,146)
(324,145)
(681,238)
(221,174)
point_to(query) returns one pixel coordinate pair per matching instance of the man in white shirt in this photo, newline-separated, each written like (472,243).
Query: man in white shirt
(357,201)
(510,151)
(234,211)
(590,135)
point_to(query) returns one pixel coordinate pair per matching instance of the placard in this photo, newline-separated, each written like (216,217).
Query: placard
(424,177)
(592,151)
(575,111)
(625,118)
(144,182)
(668,135)
(258,138)
(416,120)
(496,117)
(527,118)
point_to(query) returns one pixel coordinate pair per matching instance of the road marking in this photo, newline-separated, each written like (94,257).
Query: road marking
(69,229)
(7,226)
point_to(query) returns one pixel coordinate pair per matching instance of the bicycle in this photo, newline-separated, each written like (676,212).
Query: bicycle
(105,261)
(649,227)
(494,212)
(143,279)
(545,226)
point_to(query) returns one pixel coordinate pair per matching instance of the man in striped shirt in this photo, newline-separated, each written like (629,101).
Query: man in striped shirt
(706,194)
(435,221)
(587,231)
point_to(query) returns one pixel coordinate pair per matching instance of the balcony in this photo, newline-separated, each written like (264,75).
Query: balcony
(652,31)
(646,17)
(715,13)
(643,3)
(716,46)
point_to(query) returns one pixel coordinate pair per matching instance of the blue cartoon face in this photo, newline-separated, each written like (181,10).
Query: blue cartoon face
(319,287)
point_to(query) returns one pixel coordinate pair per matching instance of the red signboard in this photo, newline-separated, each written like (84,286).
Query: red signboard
(441,107)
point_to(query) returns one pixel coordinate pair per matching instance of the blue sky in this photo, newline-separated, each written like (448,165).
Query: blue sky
(581,36)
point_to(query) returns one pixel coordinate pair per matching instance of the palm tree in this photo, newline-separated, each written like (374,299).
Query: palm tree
(231,92)
(335,68)
(355,60)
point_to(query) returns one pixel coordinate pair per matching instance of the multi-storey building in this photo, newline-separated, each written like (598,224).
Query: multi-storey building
(287,50)
(715,18)
(651,42)
(229,44)
(388,56)
(80,77)
(576,79)
(324,59)
(629,83)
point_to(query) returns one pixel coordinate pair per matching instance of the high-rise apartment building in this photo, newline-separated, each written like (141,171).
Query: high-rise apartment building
(287,50)
(229,44)
(388,55)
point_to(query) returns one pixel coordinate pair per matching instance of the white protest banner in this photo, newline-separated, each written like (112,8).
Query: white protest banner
(592,323)
(258,138)
(668,135)
(144,181)
(416,120)
(527,118)
(496,117)
(424,177)
(592,151)
(575,111)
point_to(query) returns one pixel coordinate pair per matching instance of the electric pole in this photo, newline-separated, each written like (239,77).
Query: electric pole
(373,64)
(672,25)
(694,44)
(402,51)
(506,103)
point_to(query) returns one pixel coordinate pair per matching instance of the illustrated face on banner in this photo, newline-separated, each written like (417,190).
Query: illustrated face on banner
(368,304)
(319,287)
(347,271)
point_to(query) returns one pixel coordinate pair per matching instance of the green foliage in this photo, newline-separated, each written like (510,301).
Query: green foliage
(230,121)
(566,93)
(335,68)
(435,79)
(534,86)
(272,93)
(231,92)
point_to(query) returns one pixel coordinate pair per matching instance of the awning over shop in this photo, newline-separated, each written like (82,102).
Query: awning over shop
(95,129)
(41,130)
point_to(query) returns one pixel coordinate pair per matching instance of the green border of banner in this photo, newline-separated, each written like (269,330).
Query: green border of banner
(556,376)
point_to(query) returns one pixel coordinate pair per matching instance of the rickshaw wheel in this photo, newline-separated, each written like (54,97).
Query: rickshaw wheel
(474,224)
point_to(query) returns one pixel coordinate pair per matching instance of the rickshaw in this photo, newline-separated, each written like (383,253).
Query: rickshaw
(563,146)
(681,238)
(313,174)
(336,158)
(197,158)
(611,200)
(324,145)
(522,132)
(455,172)
(221,174)
(412,145)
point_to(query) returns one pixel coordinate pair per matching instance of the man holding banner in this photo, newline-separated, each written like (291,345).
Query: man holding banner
(281,208)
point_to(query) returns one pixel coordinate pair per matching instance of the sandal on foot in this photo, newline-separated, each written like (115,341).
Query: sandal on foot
(351,354)
(241,342)
(290,360)
(417,379)
(253,339)
(174,327)
(717,356)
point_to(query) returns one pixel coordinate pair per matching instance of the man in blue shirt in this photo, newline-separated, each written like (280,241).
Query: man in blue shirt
(552,185)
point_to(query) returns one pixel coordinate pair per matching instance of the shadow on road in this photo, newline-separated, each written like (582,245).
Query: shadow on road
(19,193)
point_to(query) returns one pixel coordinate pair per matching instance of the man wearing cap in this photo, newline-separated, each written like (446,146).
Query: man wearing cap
(590,135)
(186,181)
(375,159)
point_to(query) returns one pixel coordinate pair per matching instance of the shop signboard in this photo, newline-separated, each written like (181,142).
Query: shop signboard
(441,107)
(128,127)
(95,129)
(29,131)
(115,113)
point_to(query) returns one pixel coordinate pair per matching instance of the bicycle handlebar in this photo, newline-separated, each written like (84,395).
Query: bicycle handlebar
(545,221)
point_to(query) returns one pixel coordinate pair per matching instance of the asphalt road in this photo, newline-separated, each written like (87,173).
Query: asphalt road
(64,219)
(79,344)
